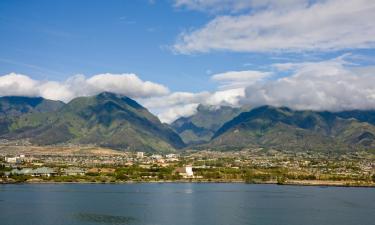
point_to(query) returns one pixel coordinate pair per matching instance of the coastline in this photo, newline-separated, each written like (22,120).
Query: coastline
(321,183)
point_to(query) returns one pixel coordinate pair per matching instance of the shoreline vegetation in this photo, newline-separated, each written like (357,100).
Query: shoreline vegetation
(323,183)
(78,164)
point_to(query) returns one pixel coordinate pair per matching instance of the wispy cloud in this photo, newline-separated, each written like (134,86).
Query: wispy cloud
(239,79)
(235,6)
(126,20)
(319,26)
(31,66)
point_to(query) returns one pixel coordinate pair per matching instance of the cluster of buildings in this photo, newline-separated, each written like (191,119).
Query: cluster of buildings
(350,164)
(15,159)
(45,171)
(72,165)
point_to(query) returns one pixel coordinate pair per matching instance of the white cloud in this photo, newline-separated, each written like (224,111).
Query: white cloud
(170,107)
(17,84)
(127,84)
(170,114)
(229,97)
(55,91)
(213,5)
(319,26)
(238,79)
(78,85)
(328,85)
(236,5)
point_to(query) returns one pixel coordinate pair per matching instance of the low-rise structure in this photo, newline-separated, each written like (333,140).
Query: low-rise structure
(186,171)
(140,155)
(13,160)
(73,171)
(42,171)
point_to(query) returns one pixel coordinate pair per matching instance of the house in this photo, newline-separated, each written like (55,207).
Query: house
(185,172)
(13,160)
(140,155)
(73,171)
(23,171)
(44,171)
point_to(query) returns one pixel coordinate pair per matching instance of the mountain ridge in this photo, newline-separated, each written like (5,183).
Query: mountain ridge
(284,128)
(106,119)
(201,126)
(119,122)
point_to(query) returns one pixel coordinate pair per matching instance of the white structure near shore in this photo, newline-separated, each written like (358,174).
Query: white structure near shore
(15,160)
(41,171)
(186,171)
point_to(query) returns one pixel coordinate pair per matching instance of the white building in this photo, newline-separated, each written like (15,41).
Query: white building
(13,159)
(168,156)
(186,171)
(140,155)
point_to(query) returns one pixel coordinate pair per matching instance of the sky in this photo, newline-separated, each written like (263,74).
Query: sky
(172,55)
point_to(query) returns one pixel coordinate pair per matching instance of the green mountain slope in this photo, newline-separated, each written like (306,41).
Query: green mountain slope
(16,106)
(13,107)
(286,129)
(107,119)
(201,126)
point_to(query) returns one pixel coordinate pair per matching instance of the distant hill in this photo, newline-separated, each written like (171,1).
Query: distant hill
(200,127)
(107,120)
(17,106)
(286,129)
(13,107)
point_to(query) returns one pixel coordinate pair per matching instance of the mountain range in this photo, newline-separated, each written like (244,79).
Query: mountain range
(118,122)
(201,127)
(107,119)
(286,129)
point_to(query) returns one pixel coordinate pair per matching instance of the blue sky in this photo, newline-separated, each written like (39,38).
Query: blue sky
(216,52)
(56,39)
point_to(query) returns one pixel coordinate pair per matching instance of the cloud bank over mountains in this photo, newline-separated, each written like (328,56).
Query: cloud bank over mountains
(175,105)
(78,85)
(154,96)
(328,85)
(333,85)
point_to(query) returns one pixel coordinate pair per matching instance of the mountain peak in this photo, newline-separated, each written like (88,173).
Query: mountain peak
(107,119)
(119,97)
(107,94)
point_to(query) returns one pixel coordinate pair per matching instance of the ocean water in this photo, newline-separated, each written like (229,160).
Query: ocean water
(188,203)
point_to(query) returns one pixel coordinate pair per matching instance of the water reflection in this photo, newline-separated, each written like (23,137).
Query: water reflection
(104,219)
(184,204)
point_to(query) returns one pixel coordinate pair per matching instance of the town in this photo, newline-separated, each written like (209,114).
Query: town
(89,164)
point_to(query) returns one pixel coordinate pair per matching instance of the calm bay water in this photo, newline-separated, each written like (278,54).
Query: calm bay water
(180,204)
